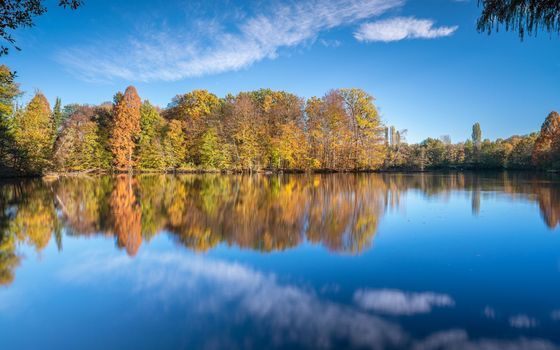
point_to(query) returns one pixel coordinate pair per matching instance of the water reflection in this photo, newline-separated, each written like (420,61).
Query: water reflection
(258,212)
(286,314)
(279,315)
(265,213)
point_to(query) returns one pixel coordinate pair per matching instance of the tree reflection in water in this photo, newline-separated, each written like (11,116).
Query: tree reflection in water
(266,213)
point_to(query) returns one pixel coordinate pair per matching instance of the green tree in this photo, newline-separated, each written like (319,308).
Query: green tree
(435,153)
(476,135)
(151,121)
(212,151)
(103,118)
(9,91)
(151,154)
(58,116)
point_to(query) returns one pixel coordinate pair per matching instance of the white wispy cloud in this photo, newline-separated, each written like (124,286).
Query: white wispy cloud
(397,302)
(400,28)
(168,54)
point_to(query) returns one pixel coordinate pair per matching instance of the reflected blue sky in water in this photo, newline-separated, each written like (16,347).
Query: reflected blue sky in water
(437,275)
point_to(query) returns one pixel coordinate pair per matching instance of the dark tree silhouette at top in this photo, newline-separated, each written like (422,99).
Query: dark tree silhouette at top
(19,13)
(524,16)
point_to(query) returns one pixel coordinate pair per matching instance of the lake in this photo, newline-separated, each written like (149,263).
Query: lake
(365,261)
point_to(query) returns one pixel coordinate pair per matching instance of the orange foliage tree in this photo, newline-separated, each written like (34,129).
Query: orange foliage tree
(547,146)
(125,128)
(127,214)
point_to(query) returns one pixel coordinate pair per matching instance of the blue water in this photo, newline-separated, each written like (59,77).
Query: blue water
(380,261)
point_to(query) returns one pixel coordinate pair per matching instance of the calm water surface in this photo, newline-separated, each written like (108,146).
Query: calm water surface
(392,261)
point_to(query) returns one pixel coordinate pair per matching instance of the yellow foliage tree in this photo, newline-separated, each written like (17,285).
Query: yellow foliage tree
(33,134)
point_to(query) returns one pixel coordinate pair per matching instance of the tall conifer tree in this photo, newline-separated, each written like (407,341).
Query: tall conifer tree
(125,128)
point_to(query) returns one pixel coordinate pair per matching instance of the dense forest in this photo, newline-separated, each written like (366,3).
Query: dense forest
(248,132)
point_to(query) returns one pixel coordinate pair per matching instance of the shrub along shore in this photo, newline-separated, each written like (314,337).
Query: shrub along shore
(251,132)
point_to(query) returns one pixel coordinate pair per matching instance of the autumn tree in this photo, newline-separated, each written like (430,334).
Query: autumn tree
(290,147)
(522,151)
(244,131)
(33,133)
(250,131)
(365,125)
(175,145)
(78,146)
(547,146)
(195,109)
(316,129)
(328,132)
(193,106)
(213,152)
(125,128)
(345,131)
(280,116)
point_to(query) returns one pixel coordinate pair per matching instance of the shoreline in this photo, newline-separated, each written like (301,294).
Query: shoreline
(266,172)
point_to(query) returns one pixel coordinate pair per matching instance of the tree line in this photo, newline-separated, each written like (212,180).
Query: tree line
(248,132)
(535,151)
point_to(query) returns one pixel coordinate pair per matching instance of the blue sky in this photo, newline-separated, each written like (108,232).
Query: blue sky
(423,60)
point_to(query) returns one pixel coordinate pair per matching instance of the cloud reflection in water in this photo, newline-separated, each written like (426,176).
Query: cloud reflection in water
(397,302)
(287,314)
